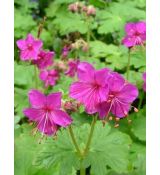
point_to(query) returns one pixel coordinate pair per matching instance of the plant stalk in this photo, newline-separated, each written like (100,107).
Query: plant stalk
(74,140)
(128,64)
(90,136)
(82,171)
(88,35)
(35,77)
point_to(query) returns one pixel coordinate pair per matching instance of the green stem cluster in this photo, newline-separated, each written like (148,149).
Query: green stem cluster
(82,154)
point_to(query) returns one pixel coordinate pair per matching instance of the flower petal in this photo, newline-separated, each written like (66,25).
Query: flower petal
(115,81)
(89,95)
(34,114)
(128,93)
(130,28)
(101,76)
(120,110)
(61,118)
(85,72)
(54,100)
(37,99)
(47,126)
(103,109)
(141,27)
(21,44)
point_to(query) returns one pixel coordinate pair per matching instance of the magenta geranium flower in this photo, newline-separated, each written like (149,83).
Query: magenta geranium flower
(29,47)
(73,65)
(91,87)
(44,59)
(135,34)
(121,95)
(49,77)
(144,79)
(46,112)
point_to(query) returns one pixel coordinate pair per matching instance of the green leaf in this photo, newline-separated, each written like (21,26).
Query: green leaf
(108,147)
(23,75)
(100,49)
(138,126)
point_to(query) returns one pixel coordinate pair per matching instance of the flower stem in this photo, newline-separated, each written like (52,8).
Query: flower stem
(88,35)
(82,171)
(90,136)
(74,140)
(128,65)
(140,100)
(35,77)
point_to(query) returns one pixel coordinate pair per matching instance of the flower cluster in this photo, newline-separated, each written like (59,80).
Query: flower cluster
(103,91)
(135,34)
(79,7)
(31,50)
(100,91)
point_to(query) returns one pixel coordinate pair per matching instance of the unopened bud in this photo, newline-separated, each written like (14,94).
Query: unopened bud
(85,47)
(70,106)
(73,8)
(84,8)
(91,10)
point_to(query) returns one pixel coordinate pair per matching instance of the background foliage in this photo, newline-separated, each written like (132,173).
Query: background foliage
(124,147)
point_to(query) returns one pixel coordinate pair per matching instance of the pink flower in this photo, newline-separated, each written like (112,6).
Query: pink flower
(91,88)
(29,47)
(49,77)
(73,65)
(135,34)
(46,112)
(144,79)
(121,95)
(44,59)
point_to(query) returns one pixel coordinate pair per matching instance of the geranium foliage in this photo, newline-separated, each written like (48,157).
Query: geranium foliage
(80,86)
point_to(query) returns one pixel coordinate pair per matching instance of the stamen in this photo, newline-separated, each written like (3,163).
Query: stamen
(117,119)
(116,125)
(104,122)
(129,121)
(135,109)
(110,118)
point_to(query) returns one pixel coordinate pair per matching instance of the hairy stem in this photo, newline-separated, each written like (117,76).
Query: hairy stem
(74,140)
(128,64)
(90,136)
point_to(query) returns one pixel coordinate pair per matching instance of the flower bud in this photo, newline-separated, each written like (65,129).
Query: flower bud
(91,10)
(70,106)
(73,7)
(85,47)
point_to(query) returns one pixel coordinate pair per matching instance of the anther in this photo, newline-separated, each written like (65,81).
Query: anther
(129,121)
(117,119)
(116,125)
(110,118)
(104,122)
(135,109)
